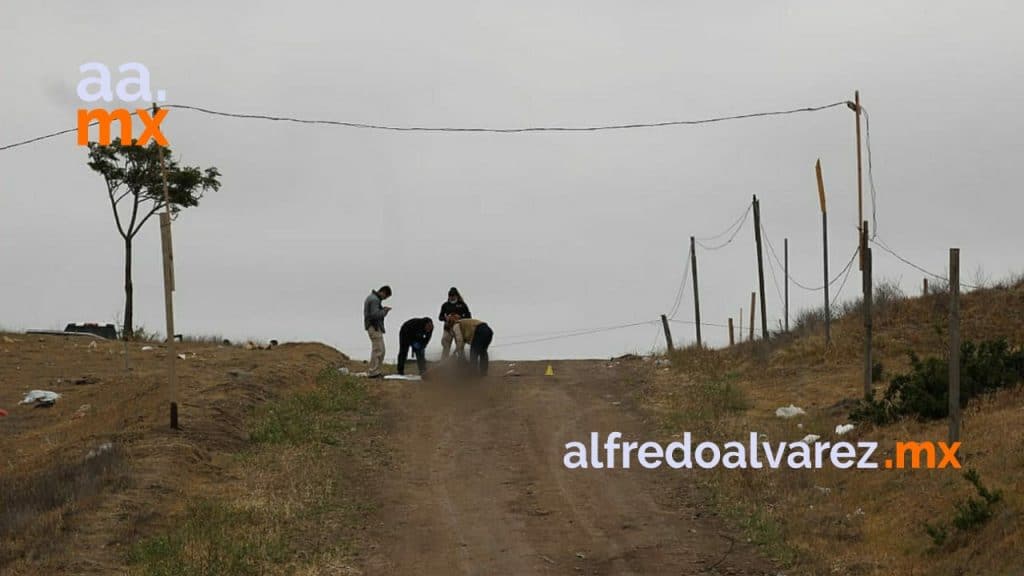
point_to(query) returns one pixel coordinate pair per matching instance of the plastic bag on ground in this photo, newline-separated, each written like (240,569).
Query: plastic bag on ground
(412,377)
(789,411)
(41,398)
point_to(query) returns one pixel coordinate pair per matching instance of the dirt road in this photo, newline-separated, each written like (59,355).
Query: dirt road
(478,484)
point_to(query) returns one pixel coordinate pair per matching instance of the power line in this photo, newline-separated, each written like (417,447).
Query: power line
(881,244)
(574,333)
(396,128)
(775,256)
(682,286)
(51,135)
(692,323)
(871,174)
(846,276)
(735,228)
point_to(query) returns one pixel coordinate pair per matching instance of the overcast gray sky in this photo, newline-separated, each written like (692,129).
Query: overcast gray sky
(543,232)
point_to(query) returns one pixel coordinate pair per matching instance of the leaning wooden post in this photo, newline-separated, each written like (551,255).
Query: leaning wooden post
(760,268)
(785,273)
(168,259)
(753,295)
(868,289)
(824,245)
(668,334)
(696,291)
(732,338)
(954,345)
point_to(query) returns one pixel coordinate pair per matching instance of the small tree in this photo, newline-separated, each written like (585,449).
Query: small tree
(135,188)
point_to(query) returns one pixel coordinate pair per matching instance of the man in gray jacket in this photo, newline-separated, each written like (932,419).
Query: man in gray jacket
(373,320)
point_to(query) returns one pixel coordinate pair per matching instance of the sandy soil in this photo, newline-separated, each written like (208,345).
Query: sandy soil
(479,485)
(473,481)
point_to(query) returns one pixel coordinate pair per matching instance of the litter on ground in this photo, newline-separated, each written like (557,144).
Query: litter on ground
(844,428)
(789,411)
(41,398)
(810,438)
(3,412)
(412,377)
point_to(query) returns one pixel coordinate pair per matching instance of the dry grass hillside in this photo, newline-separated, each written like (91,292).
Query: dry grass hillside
(99,484)
(867,522)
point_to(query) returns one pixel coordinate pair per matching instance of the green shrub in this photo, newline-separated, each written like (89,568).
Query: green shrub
(971,514)
(923,393)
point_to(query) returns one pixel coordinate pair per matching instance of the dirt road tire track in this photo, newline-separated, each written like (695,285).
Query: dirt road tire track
(478,485)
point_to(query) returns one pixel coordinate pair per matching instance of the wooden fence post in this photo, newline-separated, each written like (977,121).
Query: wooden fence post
(868,290)
(824,248)
(753,295)
(785,273)
(924,287)
(760,268)
(732,339)
(954,345)
(696,292)
(668,334)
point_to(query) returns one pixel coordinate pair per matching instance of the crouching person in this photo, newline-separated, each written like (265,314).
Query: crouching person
(415,334)
(478,335)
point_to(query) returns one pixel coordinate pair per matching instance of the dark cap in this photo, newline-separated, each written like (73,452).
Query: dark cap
(453,291)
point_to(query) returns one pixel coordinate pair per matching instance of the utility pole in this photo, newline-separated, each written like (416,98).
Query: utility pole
(860,185)
(732,337)
(785,272)
(668,334)
(168,261)
(696,291)
(760,268)
(824,244)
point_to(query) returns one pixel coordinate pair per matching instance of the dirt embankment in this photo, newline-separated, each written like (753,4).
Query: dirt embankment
(84,480)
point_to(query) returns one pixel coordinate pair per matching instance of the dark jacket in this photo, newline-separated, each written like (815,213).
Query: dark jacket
(373,312)
(413,332)
(459,308)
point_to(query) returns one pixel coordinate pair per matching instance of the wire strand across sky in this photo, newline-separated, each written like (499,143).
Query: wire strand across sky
(462,129)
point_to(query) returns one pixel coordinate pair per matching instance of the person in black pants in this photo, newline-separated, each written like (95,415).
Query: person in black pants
(478,335)
(414,334)
(478,347)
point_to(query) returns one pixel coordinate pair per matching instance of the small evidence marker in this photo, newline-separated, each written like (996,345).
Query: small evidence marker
(549,371)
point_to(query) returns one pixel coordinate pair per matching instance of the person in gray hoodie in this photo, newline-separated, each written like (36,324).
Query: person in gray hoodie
(374,313)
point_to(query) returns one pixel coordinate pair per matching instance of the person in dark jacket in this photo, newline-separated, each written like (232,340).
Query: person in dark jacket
(453,306)
(374,313)
(414,334)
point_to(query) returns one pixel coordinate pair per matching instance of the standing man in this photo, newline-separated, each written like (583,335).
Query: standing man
(456,306)
(373,320)
(478,335)
(415,334)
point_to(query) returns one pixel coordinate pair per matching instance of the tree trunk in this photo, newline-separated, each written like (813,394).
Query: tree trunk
(128,332)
